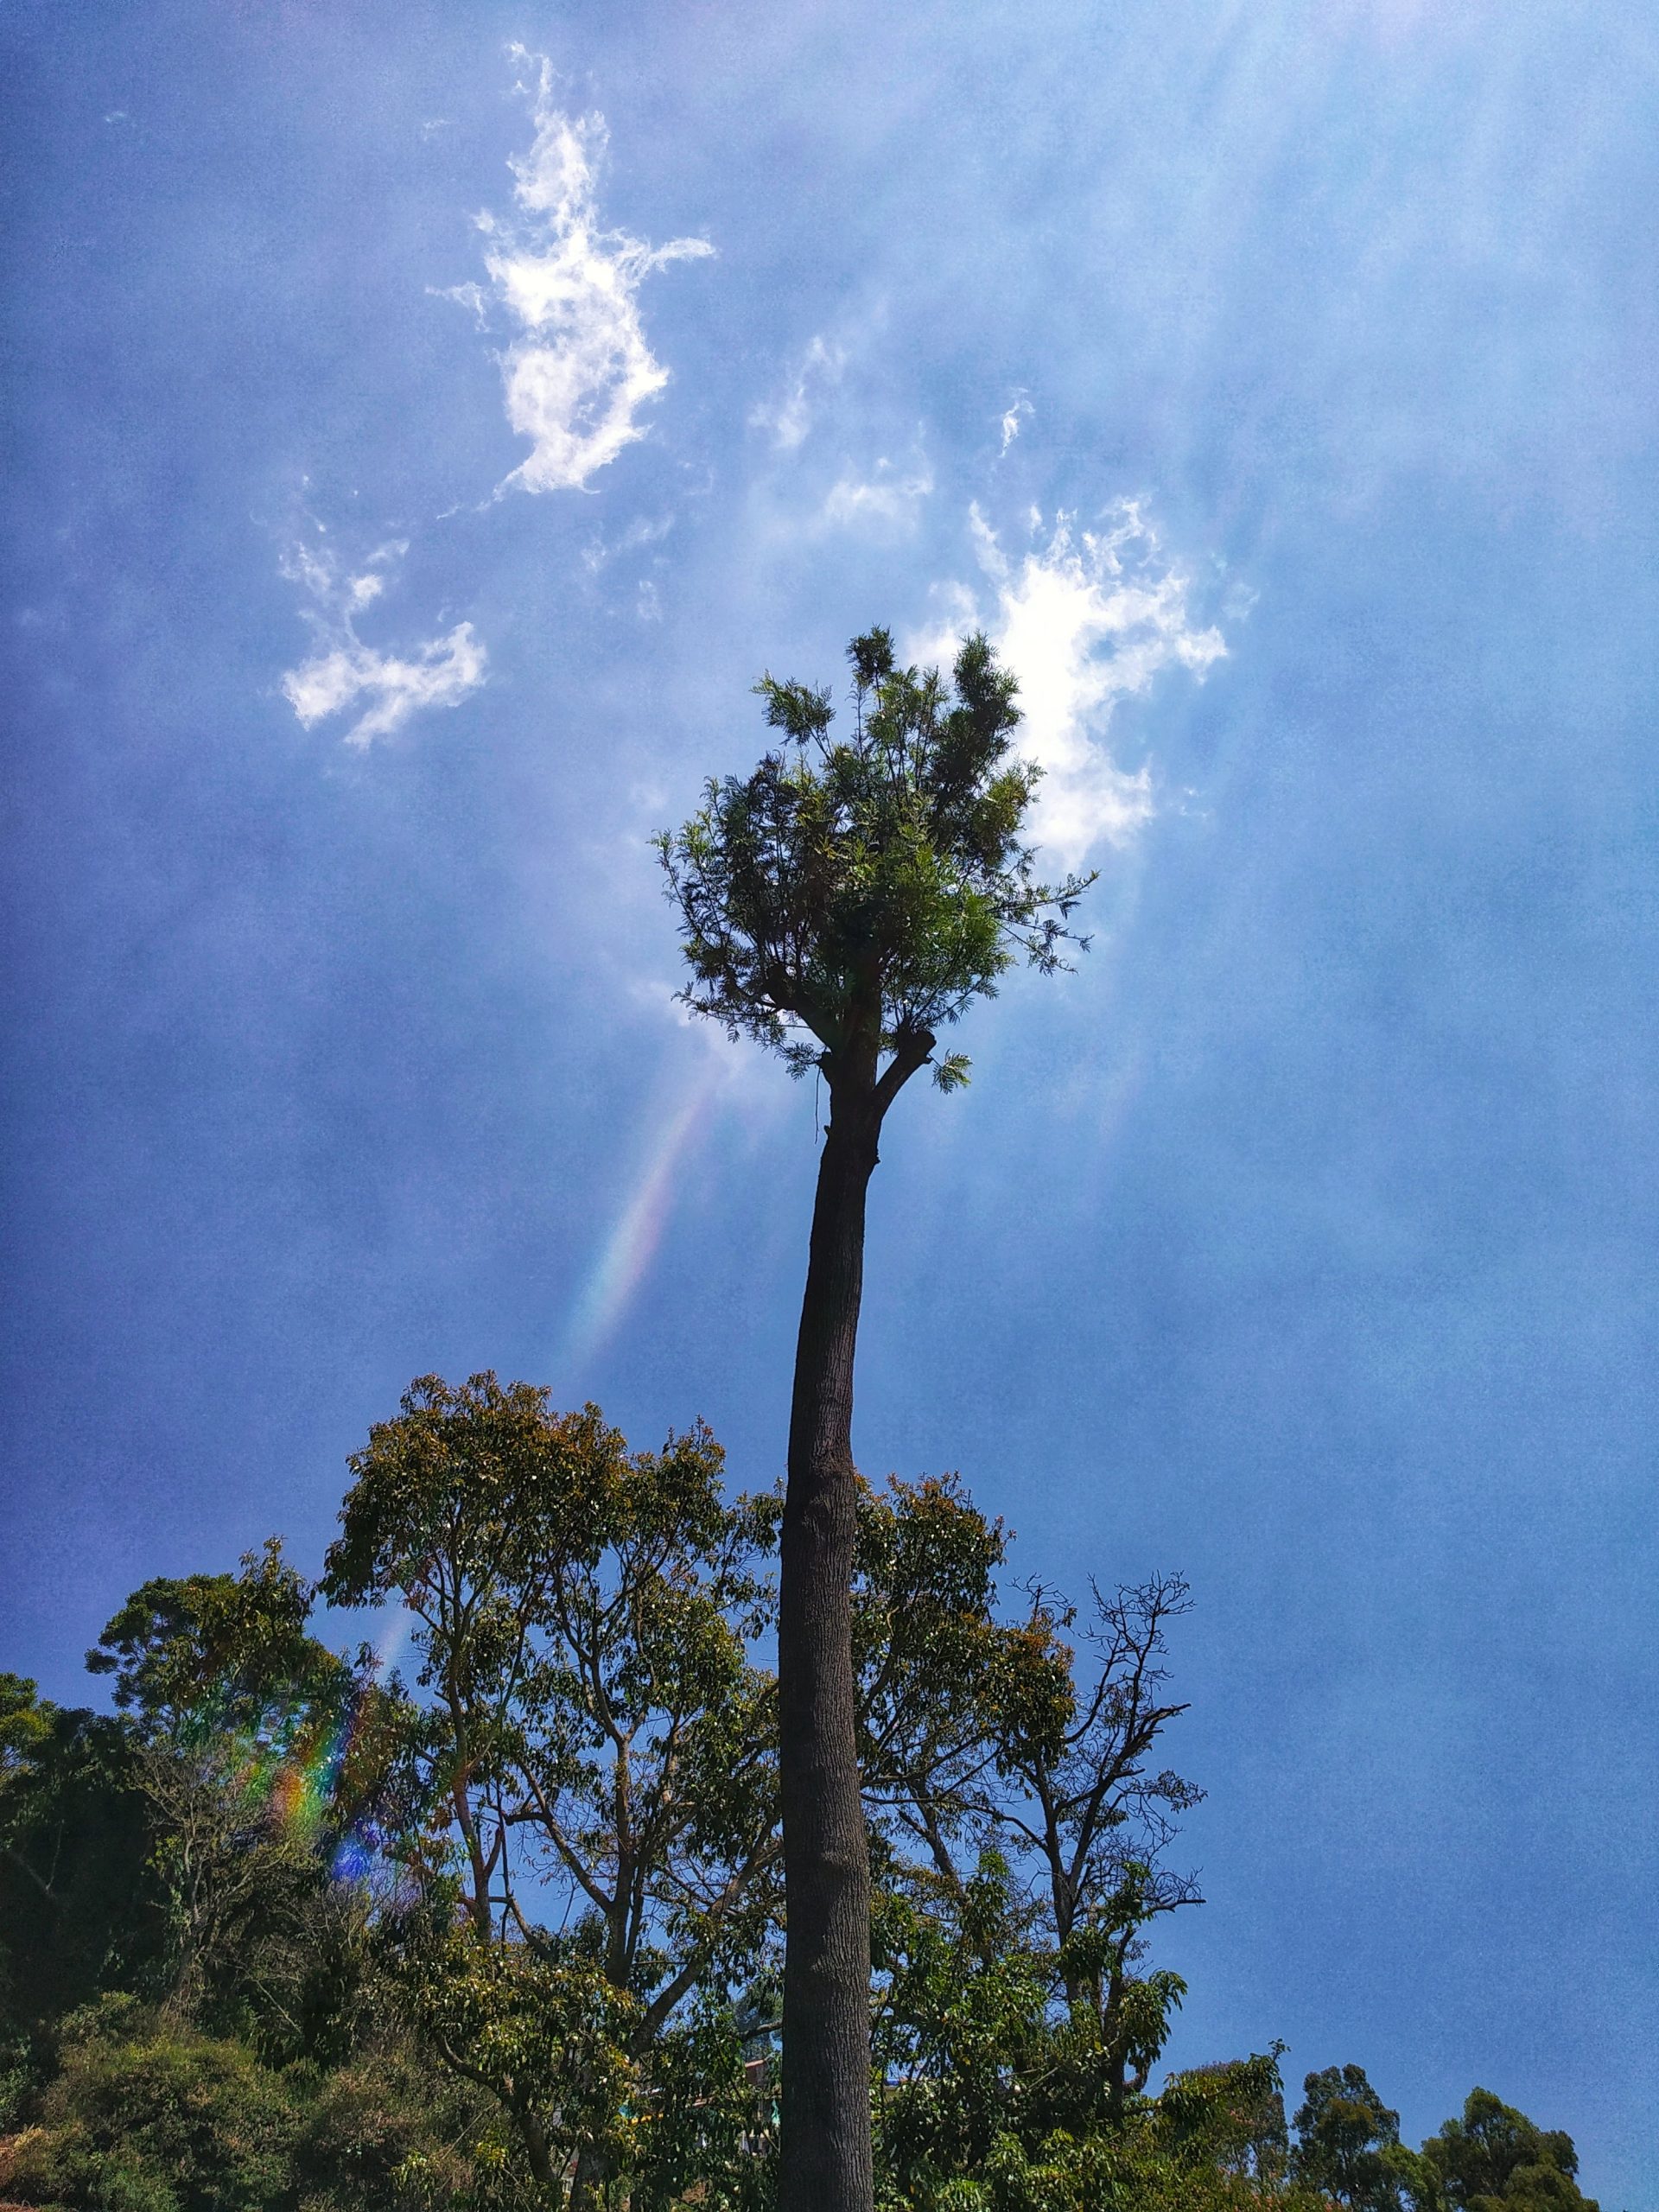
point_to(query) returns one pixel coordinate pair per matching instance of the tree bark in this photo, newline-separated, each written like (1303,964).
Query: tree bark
(825,2156)
(586,2183)
(535,2142)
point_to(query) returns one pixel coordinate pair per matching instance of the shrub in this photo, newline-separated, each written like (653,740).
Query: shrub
(389,2134)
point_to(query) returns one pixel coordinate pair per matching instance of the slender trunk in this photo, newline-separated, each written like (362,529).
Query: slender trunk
(535,2148)
(825,2158)
(1117,2057)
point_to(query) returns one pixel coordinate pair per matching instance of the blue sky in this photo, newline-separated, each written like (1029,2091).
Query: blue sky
(426,424)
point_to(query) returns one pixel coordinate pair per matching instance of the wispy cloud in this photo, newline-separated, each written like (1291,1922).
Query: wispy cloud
(887,495)
(442,674)
(1085,618)
(344,672)
(580,371)
(639,535)
(791,418)
(1014,417)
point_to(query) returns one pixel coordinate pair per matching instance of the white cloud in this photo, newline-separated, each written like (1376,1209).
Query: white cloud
(791,418)
(886,496)
(316,570)
(1084,619)
(344,672)
(1015,416)
(579,373)
(442,674)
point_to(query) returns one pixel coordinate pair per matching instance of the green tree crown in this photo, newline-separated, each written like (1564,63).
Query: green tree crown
(1492,2159)
(202,1652)
(855,893)
(1344,2132)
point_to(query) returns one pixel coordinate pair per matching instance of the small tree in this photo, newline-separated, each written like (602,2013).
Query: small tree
(80,1906)
(1082,1802)
(591,1745)
(255,1746)
(1020,1826)
(1344,2132)
(842,904)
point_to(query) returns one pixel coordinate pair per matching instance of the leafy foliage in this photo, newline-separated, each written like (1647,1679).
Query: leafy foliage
(257,1749)
(975,2061)
(25,1724)
(710,2130)
(146,2118)
(81,1909)
(149,2114)
(1231,2116)
(540,2029)
(387,2133)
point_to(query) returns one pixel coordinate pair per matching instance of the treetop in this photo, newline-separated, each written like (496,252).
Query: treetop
(857,890)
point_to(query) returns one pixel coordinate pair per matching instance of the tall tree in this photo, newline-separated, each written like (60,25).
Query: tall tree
(1493,2160)
(842,904)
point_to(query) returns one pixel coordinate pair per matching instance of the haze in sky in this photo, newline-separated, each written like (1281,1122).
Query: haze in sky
(428,422)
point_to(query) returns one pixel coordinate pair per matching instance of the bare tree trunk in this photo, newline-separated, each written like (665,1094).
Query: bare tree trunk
(825,2156)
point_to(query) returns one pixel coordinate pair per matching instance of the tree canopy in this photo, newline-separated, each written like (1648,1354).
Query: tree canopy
(545,1973)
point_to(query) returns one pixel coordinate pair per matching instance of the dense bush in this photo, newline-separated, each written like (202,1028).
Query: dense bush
(148,2116)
